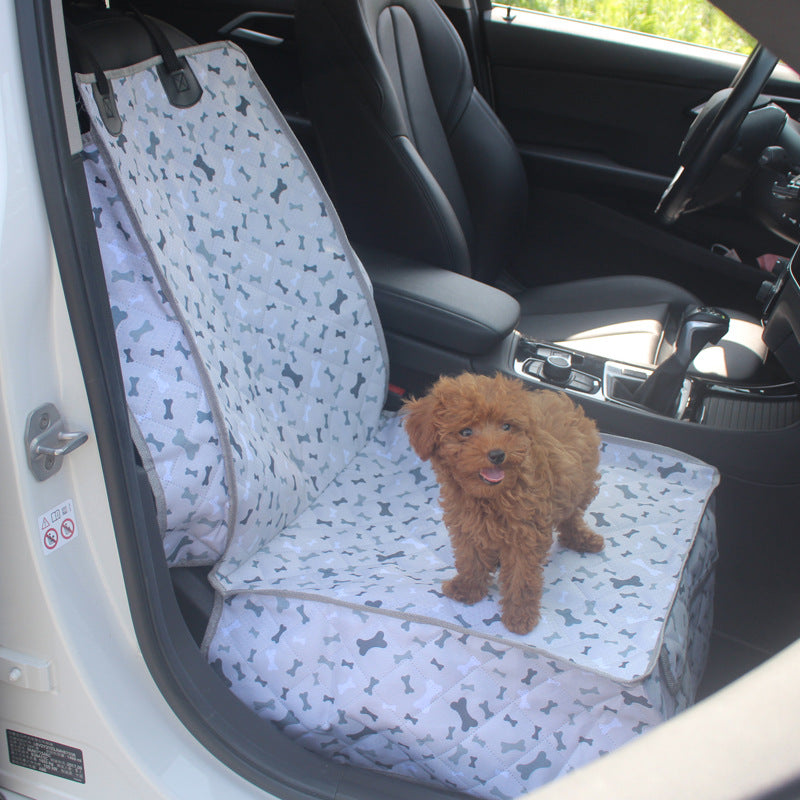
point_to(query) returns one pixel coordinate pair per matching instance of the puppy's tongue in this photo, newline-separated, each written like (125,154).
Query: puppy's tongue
(492,474)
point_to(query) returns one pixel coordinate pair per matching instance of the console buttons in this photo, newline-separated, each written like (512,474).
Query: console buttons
(577,381)
(557,369)
(542,351)
(583,383)
(533,367)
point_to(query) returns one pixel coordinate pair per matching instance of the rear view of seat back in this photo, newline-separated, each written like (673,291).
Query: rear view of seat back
(255,299)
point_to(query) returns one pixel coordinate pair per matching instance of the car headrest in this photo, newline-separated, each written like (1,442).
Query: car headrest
(102,41)
(116,39)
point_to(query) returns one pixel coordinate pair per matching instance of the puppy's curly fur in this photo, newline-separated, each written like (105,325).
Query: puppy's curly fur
(512,465)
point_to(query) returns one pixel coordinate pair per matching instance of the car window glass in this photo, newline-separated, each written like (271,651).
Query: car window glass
(694,21)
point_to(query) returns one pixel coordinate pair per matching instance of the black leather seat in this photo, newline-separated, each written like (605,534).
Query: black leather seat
(419,164)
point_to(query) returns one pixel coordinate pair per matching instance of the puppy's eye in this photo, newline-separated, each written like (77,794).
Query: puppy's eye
(465,432)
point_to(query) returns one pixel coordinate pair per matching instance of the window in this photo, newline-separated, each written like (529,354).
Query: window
(694,21)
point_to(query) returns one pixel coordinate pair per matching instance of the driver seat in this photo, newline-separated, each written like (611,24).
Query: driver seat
(418,164)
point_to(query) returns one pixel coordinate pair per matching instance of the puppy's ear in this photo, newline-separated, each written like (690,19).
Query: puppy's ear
(420,426)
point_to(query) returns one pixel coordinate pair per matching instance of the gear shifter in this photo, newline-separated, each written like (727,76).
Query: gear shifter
(699,327)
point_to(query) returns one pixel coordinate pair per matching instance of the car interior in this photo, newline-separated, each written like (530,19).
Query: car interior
(508,190)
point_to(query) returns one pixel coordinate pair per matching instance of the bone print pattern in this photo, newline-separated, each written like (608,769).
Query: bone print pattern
(404,679)
(163,388)
(335,630)
(252,258)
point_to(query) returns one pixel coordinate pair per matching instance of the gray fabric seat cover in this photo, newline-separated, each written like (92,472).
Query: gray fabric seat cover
(255,372)
(256,269)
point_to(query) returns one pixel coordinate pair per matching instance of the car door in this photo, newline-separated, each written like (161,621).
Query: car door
(601,112)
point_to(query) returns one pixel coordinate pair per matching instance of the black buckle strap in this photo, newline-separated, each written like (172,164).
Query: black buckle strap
(101,89)
(177,78)
(179,81)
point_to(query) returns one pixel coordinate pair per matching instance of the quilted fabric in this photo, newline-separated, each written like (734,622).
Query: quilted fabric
(330,621)
(338,631)
(256,269)
(176,432)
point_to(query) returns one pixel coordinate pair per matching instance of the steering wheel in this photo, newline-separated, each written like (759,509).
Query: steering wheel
(712,133)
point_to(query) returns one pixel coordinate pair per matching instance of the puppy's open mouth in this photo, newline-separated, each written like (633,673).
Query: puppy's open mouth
(492,474)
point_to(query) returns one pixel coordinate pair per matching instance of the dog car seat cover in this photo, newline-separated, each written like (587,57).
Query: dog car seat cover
(254,264)
(401,677)
(174,429)
(329,619)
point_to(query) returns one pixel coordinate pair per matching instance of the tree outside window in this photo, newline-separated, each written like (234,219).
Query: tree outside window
(695,21)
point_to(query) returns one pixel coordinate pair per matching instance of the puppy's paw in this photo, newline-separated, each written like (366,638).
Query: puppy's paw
(592,543)
(463,590)
(581,539)
(521,620)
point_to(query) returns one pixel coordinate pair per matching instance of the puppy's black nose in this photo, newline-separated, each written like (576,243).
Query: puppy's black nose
(497,456)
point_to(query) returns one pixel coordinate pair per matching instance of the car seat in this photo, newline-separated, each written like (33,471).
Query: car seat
(419,164)
(255,373)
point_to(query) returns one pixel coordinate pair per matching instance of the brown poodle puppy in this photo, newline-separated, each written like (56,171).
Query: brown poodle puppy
(512,465)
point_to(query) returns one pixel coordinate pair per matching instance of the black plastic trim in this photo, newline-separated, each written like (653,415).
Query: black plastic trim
(444,309)
(250,747)
(582,168)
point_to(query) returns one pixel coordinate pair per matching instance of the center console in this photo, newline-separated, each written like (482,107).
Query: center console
(437,322)
(750,431)
(701,401)
(672,392)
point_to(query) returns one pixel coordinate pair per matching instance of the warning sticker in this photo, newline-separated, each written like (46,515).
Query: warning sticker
(57,527)
(43,755)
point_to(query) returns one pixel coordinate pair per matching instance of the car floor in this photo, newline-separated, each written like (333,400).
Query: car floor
(729,658)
